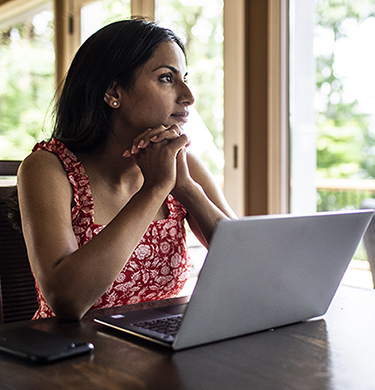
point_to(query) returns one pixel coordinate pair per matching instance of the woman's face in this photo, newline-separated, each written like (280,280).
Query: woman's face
(159,95)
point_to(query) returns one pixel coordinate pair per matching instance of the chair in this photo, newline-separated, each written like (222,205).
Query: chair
(18,300)
(369,237)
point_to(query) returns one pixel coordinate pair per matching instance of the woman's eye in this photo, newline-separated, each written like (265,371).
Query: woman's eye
(166,78)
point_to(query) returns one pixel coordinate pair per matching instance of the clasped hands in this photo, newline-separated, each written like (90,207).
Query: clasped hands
(155,135)
(161,154)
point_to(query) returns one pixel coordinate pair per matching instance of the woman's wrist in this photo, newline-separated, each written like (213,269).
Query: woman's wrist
(157,189)
(188,193)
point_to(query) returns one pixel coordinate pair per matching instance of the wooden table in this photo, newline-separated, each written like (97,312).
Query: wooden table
(336,351)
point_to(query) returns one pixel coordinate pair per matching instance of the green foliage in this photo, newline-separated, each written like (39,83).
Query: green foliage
(27,69)
(345,144)
(116,10)
(26,85)
(332,13)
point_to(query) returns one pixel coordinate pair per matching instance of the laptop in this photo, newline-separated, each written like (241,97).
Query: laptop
(260,273)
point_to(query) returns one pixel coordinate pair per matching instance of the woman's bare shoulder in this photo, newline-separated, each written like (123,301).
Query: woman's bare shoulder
(42,173)
(39,164)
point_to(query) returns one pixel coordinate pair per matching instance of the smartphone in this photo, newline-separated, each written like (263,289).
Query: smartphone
(39,346)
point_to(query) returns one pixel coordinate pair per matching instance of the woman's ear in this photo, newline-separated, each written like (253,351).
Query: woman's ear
(112,95)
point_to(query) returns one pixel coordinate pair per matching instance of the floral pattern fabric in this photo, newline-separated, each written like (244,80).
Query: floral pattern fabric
(159,265)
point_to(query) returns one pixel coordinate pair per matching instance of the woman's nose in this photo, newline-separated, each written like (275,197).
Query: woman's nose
(186,96)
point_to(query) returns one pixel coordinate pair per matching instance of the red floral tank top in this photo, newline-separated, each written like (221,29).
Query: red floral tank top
(159,265)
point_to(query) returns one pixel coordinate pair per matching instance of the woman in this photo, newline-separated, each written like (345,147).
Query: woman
(102,203)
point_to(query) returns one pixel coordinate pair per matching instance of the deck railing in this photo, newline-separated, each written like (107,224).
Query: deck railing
(344,194)
(338,194)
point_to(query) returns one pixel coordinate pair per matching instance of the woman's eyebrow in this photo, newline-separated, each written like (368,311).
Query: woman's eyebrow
(172,68)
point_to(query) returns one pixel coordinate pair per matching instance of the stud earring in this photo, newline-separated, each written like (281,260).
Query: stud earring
(115,104)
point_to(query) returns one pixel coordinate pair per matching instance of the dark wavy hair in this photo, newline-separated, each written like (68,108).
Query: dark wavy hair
(114,53)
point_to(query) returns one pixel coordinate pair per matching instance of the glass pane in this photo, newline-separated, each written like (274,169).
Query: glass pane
(332,104)
(332,111)
(27,82)
(99,13)
(200,26)
(345,102)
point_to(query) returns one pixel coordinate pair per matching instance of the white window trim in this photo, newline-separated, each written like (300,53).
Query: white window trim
(278,107)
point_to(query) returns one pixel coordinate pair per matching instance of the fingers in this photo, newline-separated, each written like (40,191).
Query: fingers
(170,133)
(153,135)
(179,143)
(159,161)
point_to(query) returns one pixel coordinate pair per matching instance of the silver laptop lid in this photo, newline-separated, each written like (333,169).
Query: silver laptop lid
(267,271)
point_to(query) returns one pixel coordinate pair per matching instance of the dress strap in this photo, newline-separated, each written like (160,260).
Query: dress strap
(79,180)
(77,176)
(176,209)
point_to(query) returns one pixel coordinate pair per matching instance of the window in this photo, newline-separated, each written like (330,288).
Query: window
(332,112)
(302,115)
(221,126)
(99,13)
(27,80)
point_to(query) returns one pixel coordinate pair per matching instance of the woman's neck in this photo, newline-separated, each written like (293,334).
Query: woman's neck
(109,164)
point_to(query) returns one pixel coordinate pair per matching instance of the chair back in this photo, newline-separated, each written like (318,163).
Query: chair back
(18,299)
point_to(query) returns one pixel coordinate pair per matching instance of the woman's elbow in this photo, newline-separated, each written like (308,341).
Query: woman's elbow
(66,307)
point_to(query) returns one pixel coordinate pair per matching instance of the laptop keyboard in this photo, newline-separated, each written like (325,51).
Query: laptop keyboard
(168,325)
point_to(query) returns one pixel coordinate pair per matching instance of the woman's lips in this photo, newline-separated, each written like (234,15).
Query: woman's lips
(181,116)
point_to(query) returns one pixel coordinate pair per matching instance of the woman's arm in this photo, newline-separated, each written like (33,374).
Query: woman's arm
(72,279)
(195,186)
(197,190)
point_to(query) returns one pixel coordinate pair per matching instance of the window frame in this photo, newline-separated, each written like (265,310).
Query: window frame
(256,151)
(13,10)
(267,187)
(234,59)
